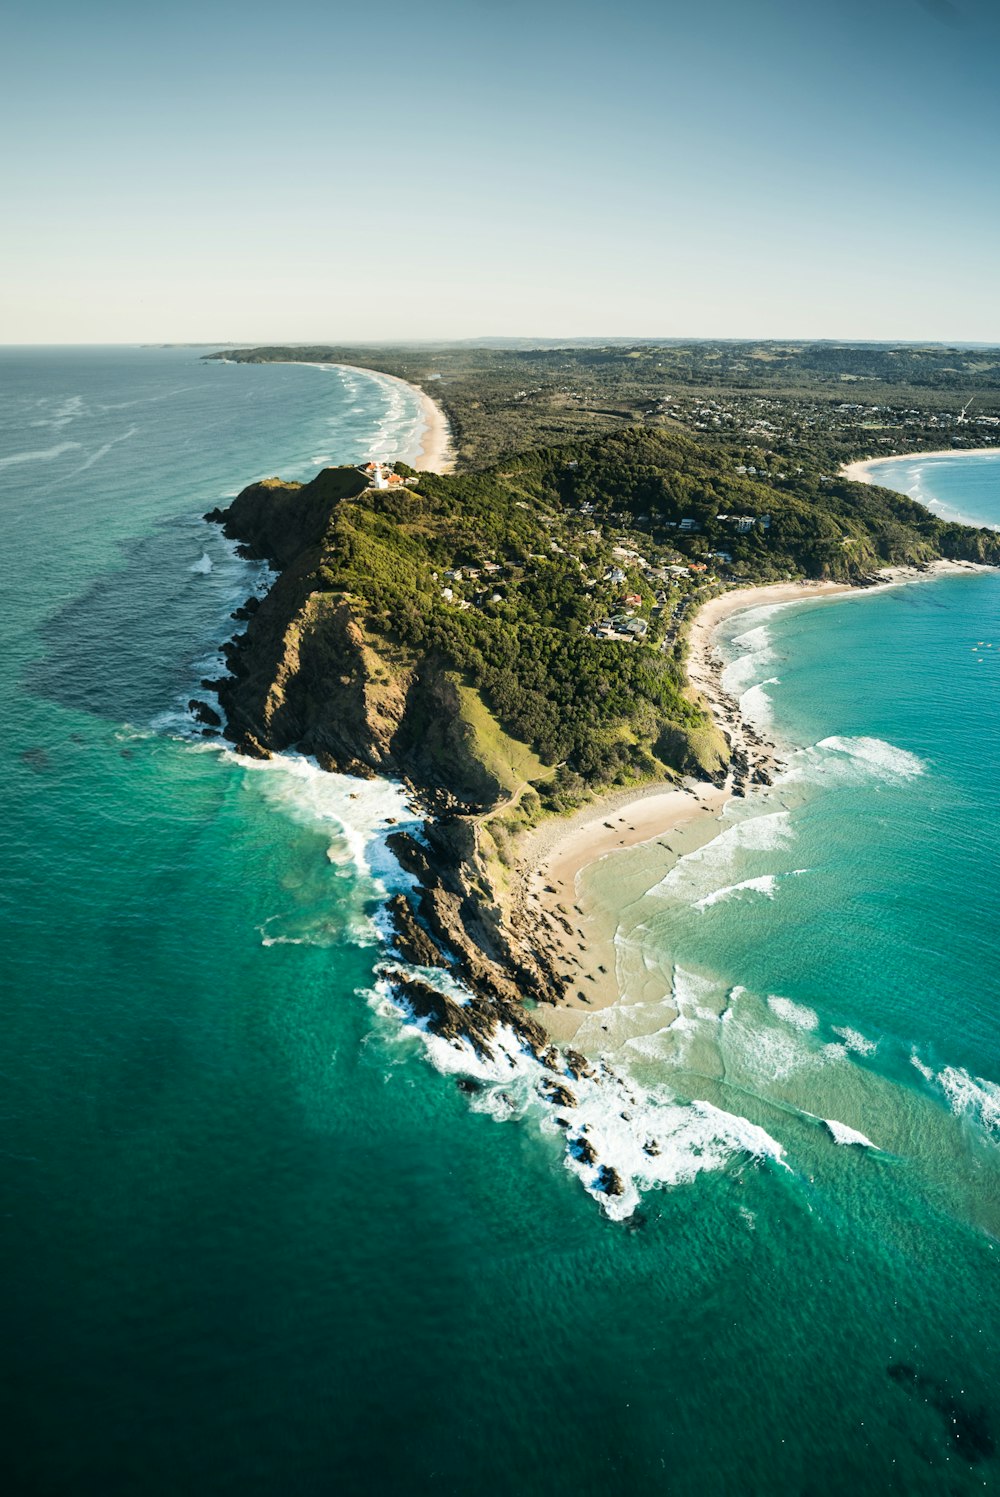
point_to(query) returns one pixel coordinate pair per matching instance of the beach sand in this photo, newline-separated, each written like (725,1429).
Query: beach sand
(861,471)
(437,455)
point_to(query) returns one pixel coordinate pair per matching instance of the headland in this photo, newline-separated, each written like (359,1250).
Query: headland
(516,646)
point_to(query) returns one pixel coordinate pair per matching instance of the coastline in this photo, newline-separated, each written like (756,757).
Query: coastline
(437,451)
(860,470)
(546,902)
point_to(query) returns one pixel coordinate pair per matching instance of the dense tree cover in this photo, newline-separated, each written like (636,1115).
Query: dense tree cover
(501,575)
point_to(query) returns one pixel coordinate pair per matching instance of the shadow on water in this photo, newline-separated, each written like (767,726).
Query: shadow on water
(968,1428)
(136,642)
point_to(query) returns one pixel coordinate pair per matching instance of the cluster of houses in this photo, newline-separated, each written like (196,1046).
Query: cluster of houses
(625,623)
(488,569)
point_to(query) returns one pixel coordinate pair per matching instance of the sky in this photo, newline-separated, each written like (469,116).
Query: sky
(220,172)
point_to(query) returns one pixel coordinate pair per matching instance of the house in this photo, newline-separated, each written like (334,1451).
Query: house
(697,566)
(742,523)
(615,576)
(689,525)
(447,595)
(633,600)
(638,628)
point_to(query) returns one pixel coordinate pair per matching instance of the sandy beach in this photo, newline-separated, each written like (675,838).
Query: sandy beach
(861,471)
(437,453)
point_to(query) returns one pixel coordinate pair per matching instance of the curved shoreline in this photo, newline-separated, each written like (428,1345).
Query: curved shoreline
(437,452)
(860,470)
(552,857)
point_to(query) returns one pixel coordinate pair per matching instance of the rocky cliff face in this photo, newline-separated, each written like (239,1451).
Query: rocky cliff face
(306,674)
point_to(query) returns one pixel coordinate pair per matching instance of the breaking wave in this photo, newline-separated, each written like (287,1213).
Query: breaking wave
(841,1134)
(972,1097)
(699,874)
(649,1138)
(855,1041)
(796,1014)
(767,885)
(842,760)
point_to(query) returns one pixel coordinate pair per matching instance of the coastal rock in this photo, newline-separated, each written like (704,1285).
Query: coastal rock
(414,943)
(472,1022)
(555,1091)
(609,1181)
(577,1064)
(203,713)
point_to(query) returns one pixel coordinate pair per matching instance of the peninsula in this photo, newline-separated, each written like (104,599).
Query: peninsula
(512,644)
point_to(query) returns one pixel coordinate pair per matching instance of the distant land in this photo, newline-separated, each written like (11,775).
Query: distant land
(815,404)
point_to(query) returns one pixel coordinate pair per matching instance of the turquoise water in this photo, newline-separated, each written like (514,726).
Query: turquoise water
(254,1243)
(954,487)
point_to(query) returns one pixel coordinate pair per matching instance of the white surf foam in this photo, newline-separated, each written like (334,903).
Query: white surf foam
(972,1097)
(796,1014)
(203,564)
(842,1134)
(844,760)
(855,1041)
(362,813)
(752,663)
(648,1138)
(708,870)
(767,885)
(756,705)
(924,1070)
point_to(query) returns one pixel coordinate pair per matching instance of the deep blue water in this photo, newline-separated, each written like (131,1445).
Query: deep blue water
(255,1243)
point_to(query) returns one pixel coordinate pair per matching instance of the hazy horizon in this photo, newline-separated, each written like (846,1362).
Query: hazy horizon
(325,175)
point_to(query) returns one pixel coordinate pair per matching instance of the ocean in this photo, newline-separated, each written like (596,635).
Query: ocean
(256,1243)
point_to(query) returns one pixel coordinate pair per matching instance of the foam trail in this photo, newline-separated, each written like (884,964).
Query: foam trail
(767,885)
(649,1139)
(45,456)
(708,869)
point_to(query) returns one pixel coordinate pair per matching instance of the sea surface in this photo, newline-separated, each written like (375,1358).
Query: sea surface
(254,1243)
(955,487)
